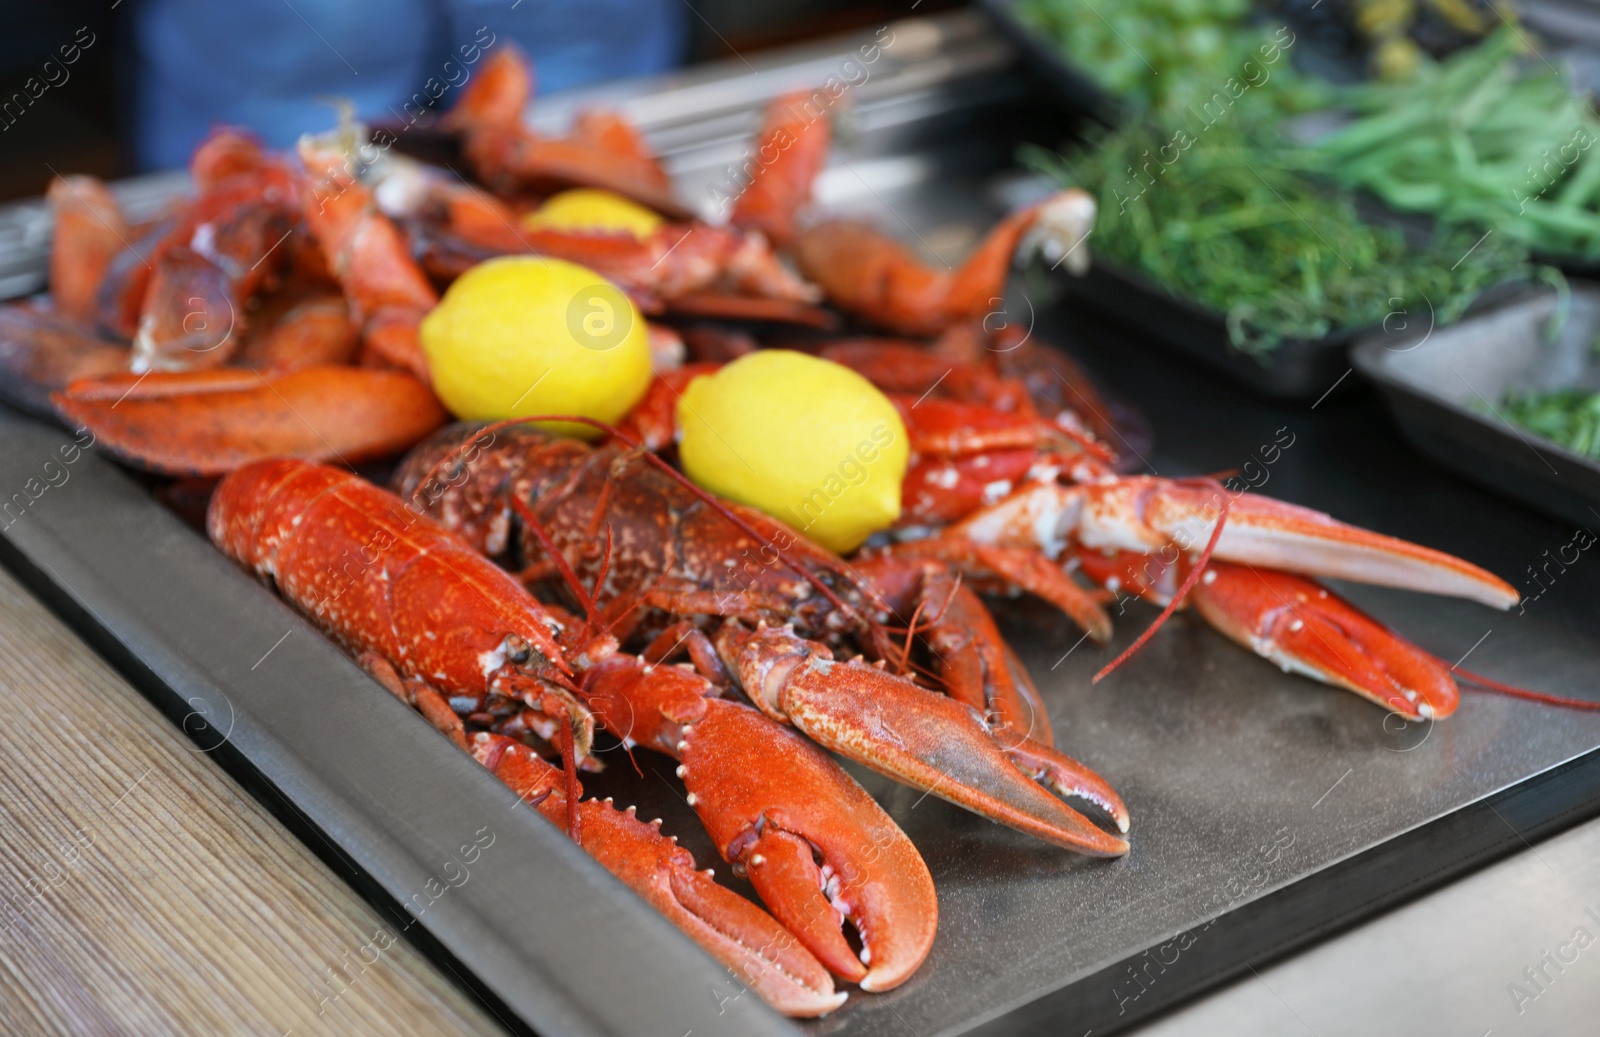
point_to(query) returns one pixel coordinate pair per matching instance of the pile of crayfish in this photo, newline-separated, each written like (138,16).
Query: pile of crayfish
(528,593)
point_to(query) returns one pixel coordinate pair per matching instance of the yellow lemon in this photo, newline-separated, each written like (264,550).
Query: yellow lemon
(589,208)
(806,440)
(521,335)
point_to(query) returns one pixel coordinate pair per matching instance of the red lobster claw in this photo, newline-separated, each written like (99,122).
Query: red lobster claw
(730,928)
(1306,628)
(921,738)
(211,422)
(818,849)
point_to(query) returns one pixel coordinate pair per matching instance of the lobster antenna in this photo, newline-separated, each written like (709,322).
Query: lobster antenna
(604,571)
(599,581)
(568,577)
(1491,685)
(1183,590)
(1086,440)
(911,631)
(569,771)
(911,627)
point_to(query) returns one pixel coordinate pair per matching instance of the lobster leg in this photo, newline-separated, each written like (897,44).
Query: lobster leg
(1308,629)
(1024,568)
(916,736)
(869,274)
(89,232)
(818,849)
(728,927)
(792,150)
(211,422)
(419,695)
(365,251)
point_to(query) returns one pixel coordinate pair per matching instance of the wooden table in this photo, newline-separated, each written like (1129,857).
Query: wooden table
(143,891)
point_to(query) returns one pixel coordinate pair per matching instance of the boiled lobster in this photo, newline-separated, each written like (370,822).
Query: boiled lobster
(462,641)
(1019,495)
(686,268)
(777,607)
(245,311)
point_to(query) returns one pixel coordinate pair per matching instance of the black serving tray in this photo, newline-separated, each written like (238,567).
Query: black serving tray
(1267,810)
(1445,386)
(1298,369)
(1302,370)
(1075,90)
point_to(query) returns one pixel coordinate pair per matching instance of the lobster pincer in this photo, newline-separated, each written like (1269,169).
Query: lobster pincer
(1149,515)
(1306,628)
(918,737)
(817,848)
(730,928)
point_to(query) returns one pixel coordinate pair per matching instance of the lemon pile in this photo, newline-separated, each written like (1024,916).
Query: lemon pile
(806,440)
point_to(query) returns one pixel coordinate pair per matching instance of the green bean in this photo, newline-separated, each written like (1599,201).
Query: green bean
(1477,140)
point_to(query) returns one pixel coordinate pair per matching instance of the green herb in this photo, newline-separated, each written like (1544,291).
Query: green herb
(1570,417)
(1488,138)
(1223,215)
(1168,56)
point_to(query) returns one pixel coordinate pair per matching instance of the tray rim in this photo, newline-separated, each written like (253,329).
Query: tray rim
(1367,356)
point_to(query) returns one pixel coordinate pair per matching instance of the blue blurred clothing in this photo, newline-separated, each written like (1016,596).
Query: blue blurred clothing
(266,64)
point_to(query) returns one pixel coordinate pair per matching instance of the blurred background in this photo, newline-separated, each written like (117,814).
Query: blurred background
(140,81)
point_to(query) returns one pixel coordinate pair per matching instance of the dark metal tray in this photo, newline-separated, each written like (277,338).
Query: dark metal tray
(1267,810)
(1298,369)
(1044,62)
(1445,389)
(1046,66)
